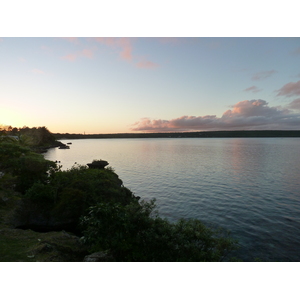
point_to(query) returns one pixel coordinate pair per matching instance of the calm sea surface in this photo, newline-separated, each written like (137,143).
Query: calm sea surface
(249,186)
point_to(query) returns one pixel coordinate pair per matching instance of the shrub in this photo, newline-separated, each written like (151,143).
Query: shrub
(40,193)
(71,203)
(27,166)
(132,233)
(30,169)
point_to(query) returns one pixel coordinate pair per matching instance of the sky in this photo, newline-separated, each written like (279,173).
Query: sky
(136,84)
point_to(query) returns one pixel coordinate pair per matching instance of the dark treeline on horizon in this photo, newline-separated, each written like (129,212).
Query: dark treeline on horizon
(203,134)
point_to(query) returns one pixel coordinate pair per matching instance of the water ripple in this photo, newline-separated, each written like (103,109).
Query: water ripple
(248,186)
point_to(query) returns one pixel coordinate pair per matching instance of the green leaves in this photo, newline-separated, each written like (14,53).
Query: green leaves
(132,234)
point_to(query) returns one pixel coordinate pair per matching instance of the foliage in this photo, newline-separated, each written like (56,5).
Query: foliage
(132,234)
(79,188)
(9,152)
(30,169)
(41,193)
(33,137)
(195,134)
(99,185)
(27,166)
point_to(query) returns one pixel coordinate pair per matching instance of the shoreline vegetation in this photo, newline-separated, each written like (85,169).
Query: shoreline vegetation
(196,134)
(86,213)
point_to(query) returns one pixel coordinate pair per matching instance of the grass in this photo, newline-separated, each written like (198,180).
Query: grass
(17,245)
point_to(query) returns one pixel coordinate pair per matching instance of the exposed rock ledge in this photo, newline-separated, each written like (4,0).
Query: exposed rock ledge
(98,164)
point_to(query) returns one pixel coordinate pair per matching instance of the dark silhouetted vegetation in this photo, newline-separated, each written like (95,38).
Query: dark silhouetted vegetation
(94,204)
(197,134)
(37,138)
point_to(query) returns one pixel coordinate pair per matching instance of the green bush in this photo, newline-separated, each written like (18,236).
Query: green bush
(132,233)
(40,193)
(10,152)
(99,185)
(70,204)
(30,169)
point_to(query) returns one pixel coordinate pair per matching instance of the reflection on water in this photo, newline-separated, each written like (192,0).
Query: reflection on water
(249,186)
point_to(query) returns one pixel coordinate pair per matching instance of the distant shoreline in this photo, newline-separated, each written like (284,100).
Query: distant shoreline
(203,134)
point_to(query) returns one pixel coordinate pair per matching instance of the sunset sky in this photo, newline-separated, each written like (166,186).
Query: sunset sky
(118,85)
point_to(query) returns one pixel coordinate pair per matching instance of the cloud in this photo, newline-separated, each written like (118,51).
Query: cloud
(290,89)
(263,75)
(244,115)
(295,104)
(253,89)
(37,71)
(145,64)
(123,44)
(87,53)
(124,47)
(74,56)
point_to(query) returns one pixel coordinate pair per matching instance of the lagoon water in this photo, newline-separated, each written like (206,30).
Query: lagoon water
(249,186)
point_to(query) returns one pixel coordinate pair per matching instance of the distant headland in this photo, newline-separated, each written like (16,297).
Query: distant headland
(203,134)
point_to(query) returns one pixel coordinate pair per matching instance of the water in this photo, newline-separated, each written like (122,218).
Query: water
(248,186)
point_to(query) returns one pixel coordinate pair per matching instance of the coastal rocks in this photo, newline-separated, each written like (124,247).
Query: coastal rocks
(44,149)
(98,164)
(64,147)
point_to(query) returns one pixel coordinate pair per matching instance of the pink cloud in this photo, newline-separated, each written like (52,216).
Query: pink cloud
(145,64)
(248,114)
(123,44)
(290,89)
(37,71)
(253,89)
(87,53)
(263,75)
(250,108)
(295,104)
(73,56)
(109,41)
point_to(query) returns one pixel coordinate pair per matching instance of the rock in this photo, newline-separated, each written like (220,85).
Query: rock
(102,256)
(64,147)
(98,164)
